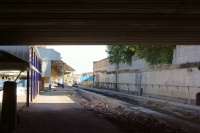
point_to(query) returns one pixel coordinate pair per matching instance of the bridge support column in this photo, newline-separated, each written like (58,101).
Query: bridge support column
(9,106)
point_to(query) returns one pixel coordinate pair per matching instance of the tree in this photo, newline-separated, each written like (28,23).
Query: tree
(119,54)
(153,54)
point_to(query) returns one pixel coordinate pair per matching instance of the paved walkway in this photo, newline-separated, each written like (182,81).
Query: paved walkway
(56,112)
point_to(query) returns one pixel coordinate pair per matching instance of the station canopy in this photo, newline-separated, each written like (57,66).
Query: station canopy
(58,66)
(11,62)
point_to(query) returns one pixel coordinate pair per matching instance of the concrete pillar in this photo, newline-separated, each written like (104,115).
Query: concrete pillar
(9,106)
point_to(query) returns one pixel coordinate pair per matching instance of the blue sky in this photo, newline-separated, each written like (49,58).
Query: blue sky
(81,57)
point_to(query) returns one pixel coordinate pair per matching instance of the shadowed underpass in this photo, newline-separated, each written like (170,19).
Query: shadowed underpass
(75,110)
(55,112)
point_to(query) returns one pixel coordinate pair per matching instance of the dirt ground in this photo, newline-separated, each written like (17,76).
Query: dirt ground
(133,118)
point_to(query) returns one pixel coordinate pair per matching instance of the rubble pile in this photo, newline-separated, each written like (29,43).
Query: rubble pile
(131,117)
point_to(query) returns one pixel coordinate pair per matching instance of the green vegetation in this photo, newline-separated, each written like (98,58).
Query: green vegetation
(153,54)
(119,54)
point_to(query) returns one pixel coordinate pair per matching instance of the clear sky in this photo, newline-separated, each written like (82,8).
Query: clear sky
(81,57)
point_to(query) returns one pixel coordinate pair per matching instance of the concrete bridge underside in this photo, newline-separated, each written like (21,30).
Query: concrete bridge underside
(61,21)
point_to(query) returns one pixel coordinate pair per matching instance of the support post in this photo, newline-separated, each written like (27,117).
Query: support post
(9,106)
(31,78)
(93,79)
(27,86)
(50,73)
(63,75)
(117,76)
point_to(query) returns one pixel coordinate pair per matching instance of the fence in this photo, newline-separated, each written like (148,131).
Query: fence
(171,92)
(115,86)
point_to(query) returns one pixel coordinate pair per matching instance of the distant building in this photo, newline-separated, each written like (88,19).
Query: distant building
(68,75)
(76,78)
(61,73)
(48,56)
(88,76)
(103,68)
(86,79)
(55,72)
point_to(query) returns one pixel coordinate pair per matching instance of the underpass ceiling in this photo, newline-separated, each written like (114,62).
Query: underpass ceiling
(89,21)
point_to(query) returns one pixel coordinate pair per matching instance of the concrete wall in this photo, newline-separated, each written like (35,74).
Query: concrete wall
(136,63)
(100,65)
(180,84)
(175,84)
(126,81)
(104,65)
(105,72)
(168,82)
(186,54)
(171,82)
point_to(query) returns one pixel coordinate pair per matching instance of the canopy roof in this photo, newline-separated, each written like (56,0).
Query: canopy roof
(58,64)
(11,62)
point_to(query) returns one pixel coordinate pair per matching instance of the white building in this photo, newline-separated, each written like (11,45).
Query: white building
(48,55)
(55,72)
